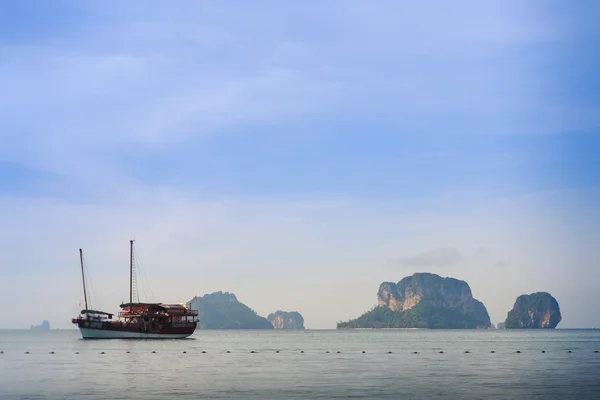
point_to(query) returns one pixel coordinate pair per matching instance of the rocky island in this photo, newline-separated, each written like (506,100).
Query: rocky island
(534,311)
(44,326)
(286,320)
(223,311)
(424,300)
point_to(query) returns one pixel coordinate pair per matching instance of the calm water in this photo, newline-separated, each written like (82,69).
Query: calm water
(266,374)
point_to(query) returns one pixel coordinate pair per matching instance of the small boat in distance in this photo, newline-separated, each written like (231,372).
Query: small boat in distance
(136,320)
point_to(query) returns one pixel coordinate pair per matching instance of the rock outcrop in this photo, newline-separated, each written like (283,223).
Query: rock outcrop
(286,320)
(424,300)
(534,311)
(223,311)
(44,326)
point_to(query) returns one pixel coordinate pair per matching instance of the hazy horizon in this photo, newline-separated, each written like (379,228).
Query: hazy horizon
(298,155)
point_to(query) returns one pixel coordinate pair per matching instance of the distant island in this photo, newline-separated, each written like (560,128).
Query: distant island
(222,310)
(424,300)
(286,320)
(534,311)
(44,326)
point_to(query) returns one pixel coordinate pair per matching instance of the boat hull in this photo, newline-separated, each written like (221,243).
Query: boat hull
(91,333)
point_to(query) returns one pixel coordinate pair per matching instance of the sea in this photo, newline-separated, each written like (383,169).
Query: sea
(310,364)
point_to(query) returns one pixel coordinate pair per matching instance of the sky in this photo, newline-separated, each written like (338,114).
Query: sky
(298,154)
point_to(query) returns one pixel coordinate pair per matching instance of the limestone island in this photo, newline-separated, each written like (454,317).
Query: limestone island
(223,311)
(286,320)
(534,311)
(44,326)
(424,300)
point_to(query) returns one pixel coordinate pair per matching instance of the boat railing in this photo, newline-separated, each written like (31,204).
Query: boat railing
(127,314)
(182,324)
(132,314)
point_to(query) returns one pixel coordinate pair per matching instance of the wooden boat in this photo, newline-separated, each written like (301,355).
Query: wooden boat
(136,320)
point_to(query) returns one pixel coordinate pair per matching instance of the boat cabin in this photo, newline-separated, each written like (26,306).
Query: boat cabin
(158,314)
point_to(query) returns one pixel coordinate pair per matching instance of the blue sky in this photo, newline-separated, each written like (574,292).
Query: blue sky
(292,154)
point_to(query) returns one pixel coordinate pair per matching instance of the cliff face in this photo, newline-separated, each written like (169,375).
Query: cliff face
(286,320)
(424,300)
(223,311)
(534,311)
(44,326)
(431,289)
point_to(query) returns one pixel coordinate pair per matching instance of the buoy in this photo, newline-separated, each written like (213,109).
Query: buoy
(1,352)
(184,352)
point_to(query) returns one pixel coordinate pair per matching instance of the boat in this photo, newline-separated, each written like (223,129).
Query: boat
(136,320)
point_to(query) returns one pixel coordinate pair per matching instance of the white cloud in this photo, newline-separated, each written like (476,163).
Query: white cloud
(272,253)
(147,77)
(173,73)
(438,257)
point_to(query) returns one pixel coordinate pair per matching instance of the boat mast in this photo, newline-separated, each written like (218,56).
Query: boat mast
(130,274)
(83,278)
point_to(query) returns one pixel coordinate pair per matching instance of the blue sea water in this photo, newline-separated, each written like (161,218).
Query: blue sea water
(307,364)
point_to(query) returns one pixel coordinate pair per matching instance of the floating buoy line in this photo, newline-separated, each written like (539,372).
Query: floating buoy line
(2,352)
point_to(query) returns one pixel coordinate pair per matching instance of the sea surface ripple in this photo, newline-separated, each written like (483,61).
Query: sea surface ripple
(311,364)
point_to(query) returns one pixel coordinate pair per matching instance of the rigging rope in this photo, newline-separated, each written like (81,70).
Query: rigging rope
(89,286)
(143,277)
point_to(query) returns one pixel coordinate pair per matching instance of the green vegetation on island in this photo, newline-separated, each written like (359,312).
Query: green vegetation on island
(424,300)
(419,316)
(534,311)
(223,311)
